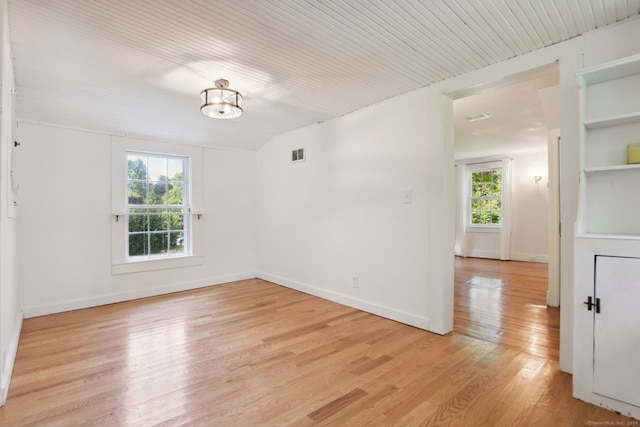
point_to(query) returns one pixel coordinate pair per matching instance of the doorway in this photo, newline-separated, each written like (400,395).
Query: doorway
(516,120)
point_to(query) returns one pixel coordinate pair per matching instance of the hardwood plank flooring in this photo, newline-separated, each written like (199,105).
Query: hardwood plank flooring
(252,353)
(504,302)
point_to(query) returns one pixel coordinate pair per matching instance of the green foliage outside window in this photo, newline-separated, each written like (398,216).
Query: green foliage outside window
(486,197)
(156,204)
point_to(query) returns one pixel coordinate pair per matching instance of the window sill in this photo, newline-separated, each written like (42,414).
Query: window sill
(155,264)
(483,229)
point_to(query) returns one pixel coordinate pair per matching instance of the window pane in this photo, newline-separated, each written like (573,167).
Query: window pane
(176,222)
(138,244)
(157,221)
(137,192)
(495,217)
(138,220)
(175,170)
(157,168)
(175,193)
(497,176)
(158,243)
(479,217)
(177,242)
(137,166)
(480,205)
(157,192)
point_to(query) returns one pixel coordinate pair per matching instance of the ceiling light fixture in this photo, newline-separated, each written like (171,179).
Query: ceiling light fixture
(477,116)
(220,102)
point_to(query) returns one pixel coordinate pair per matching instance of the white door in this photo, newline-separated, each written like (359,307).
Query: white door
(616,370)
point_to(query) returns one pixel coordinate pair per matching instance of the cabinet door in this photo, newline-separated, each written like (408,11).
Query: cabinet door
(616,350)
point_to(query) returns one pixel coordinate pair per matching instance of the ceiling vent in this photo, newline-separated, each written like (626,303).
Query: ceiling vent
(477,116)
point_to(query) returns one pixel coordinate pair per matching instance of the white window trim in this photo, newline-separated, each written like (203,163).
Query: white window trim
(478,228)
(120,264)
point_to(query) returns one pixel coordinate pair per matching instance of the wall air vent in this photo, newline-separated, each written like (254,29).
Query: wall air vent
(297,155)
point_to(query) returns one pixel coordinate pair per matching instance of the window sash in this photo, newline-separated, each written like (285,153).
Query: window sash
(485,209)
(157,228)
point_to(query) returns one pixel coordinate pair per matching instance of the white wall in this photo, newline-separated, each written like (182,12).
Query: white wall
(10,314)
(66,216)
(342,213)
(482,243)
(530,207)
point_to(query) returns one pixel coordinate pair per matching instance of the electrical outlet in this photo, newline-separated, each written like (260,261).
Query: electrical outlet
(356,282)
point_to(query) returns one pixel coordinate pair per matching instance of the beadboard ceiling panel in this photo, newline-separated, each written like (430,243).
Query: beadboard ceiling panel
(136,67)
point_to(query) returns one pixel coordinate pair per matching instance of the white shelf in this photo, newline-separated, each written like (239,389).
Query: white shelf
(612,121)
(615,168)
(611,70)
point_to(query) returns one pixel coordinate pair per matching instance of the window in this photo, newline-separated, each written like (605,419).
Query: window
(157,206)
(485,197)
(157,219)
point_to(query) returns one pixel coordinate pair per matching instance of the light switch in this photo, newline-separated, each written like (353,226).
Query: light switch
(407,197)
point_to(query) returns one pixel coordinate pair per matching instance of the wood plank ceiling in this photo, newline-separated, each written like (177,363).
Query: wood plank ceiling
(136,67)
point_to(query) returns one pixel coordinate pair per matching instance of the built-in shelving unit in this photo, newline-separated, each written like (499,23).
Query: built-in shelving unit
(607,244)
(610,114)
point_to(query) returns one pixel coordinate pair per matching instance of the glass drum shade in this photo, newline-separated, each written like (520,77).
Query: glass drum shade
(221,103)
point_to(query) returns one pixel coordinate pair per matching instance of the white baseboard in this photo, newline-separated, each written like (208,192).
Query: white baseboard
(483,254)
(519,256)
(76,304)
(369,307)
(9,359)
(515,256)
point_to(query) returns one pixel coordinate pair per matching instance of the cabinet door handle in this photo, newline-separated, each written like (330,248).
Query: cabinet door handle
(591,304)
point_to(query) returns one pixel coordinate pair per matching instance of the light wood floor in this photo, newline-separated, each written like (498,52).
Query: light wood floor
(252,353)
(504,302)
